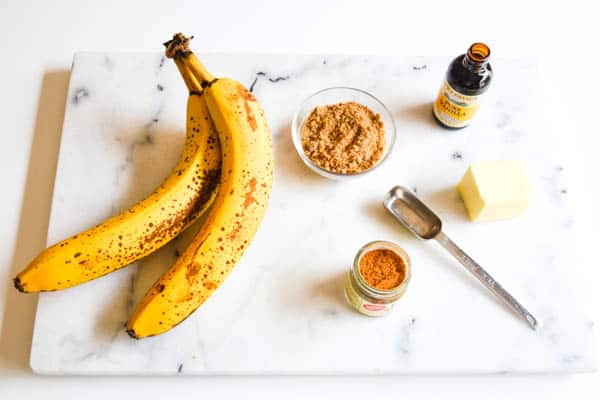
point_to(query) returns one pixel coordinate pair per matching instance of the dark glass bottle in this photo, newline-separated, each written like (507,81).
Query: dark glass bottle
(467,78)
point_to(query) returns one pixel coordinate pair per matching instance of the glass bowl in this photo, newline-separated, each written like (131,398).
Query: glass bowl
(335,95)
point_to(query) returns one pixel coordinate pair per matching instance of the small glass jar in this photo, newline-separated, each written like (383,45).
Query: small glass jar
(367,299)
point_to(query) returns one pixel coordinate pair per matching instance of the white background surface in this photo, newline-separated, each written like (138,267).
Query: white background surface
(37,47)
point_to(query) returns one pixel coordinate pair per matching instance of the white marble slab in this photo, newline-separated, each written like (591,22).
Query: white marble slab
(282,309)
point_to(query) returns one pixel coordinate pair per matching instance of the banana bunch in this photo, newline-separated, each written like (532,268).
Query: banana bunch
(244,187)
(225,172)
(150,224)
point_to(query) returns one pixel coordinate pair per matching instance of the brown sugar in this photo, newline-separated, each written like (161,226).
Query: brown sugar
(382,269)
(344,138)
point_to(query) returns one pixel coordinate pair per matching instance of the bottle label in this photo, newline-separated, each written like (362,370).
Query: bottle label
(363,306)
(454,109)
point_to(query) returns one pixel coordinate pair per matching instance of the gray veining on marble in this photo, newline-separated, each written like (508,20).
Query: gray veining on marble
(282,310)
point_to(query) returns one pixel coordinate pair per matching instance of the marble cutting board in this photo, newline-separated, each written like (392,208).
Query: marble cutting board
(282,309)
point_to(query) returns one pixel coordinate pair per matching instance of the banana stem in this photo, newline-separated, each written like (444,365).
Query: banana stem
(188,77)
(199,70)
(178,48)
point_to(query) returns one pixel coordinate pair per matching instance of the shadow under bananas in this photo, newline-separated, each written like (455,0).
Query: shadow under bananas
(131,283)
(19,314)
(148,154)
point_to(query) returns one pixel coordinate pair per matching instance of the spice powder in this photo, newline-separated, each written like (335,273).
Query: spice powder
(344,138)
(382,269)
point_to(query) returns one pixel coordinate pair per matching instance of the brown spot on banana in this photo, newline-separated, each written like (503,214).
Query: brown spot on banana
(247,97)
(192,272)
(237,226)
(210,285)
(249,197)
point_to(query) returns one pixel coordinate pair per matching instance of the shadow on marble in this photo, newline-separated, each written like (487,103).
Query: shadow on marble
(145,163)
(288,162)
(417,113)
(468,283)
(15,342)
(112,319)
(446,201)
(139,277)
(380,216)
(119,305)
(447,204)
(17,327)
(144,147)
(331,291)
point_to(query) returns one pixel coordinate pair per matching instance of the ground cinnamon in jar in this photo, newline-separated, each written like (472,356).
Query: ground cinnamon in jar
(382,269)
(378,278)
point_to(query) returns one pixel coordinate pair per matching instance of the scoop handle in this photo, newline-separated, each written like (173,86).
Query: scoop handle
(485,278)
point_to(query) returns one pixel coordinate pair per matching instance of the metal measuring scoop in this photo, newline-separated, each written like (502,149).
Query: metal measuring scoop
(421,221)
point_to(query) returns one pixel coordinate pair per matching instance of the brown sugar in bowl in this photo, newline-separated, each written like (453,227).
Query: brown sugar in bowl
(344,138)
(335,96)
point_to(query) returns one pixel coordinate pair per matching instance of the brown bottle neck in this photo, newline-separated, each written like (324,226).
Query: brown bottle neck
(476,58)
(472,65)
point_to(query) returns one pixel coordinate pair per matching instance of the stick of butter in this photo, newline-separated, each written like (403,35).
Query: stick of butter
(495,190)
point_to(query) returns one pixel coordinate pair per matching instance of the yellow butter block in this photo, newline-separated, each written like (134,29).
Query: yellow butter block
(495,190)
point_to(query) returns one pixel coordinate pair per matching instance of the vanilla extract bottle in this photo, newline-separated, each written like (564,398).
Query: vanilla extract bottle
(467,78)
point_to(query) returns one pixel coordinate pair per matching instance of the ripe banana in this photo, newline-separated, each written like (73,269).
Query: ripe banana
(245,184)
(183,197)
